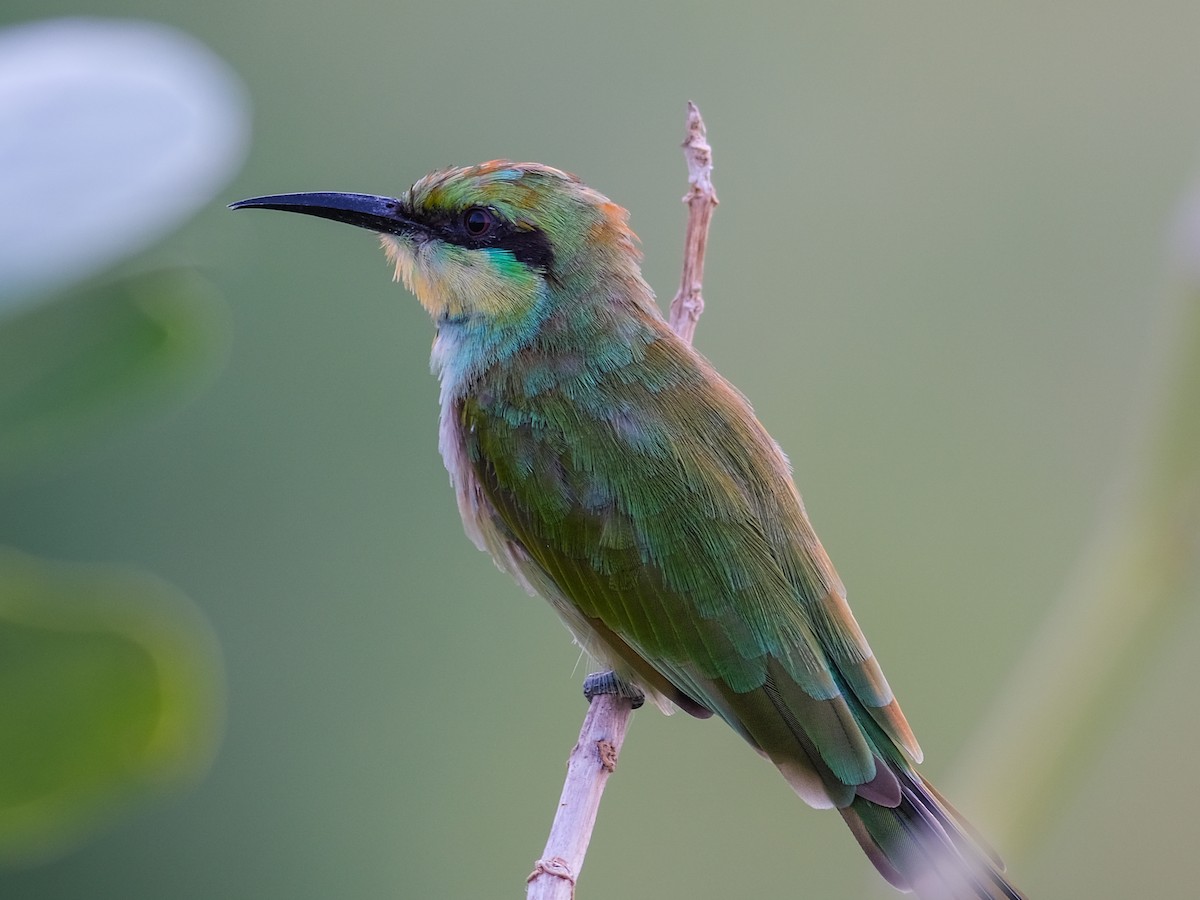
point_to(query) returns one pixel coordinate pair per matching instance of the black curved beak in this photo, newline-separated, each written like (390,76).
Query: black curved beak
(380,214)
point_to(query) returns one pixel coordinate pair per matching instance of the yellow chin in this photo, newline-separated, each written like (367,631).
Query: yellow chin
(452,281)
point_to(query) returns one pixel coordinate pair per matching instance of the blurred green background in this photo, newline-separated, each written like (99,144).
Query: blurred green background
(940,272)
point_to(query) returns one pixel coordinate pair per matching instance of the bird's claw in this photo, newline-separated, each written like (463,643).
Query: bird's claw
(610,683)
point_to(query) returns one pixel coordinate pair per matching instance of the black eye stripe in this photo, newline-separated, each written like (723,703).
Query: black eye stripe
(467,229)
(529,247)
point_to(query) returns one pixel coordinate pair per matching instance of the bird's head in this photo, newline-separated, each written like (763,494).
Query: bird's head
(493,242)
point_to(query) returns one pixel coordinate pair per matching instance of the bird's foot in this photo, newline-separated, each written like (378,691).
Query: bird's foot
(610,683)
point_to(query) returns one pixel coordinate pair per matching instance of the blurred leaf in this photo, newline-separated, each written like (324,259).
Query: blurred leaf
(1134,581)
(109,687)
(112,132)
(72,372)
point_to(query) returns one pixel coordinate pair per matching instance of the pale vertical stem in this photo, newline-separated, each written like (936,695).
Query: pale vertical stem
(1138,573)
(701,199)
(603,732)
(592,760)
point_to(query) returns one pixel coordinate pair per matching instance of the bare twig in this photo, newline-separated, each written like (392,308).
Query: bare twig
(611,702)
(592,760)
(701,199)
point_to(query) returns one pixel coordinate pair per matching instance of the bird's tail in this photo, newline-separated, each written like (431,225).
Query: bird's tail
(924,845)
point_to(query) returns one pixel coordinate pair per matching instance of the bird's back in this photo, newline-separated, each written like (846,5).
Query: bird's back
(628,483)
(639,491)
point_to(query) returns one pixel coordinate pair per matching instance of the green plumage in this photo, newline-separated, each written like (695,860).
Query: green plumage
(605,464)
(592,484)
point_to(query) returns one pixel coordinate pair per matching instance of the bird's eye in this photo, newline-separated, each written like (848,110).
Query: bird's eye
(478,221)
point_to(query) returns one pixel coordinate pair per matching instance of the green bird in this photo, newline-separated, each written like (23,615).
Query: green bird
(607,466)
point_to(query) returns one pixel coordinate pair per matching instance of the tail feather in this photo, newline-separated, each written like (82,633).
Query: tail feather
(923,845)
(976,838)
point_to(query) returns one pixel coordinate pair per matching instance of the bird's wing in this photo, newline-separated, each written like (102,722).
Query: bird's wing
(653,502)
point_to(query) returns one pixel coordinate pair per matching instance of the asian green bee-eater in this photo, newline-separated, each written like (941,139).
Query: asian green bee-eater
(607,466)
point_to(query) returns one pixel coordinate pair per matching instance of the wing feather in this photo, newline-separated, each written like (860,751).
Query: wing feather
(656,512)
